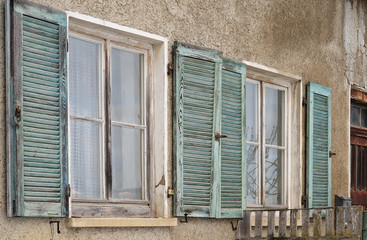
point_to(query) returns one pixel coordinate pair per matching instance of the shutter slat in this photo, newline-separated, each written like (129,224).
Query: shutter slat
(318,146)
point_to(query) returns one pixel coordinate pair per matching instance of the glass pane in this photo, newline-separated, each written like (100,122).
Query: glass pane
(126,86)
(252,174)
(364,118)
(357,167)
(86,160)
(354,116)
(273,176)
(84,78)
(127,163)
(252,91)
(274,116)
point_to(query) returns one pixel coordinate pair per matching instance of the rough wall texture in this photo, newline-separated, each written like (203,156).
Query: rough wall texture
(311,39)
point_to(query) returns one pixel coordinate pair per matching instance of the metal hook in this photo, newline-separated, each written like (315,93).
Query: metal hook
(185,221)
(58,226)
(234,228)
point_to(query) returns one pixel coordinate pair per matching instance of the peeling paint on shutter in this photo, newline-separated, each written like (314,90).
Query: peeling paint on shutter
(39,80)
(195,96)
(318,146)
(233,147)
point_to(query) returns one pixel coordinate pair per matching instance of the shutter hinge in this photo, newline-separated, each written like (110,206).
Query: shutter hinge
(170,192)
(14,208)
(69,190)
(304,101)
(169,68)
(304,200)
(67,45)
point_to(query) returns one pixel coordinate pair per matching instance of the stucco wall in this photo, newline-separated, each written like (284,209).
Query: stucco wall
(307,38)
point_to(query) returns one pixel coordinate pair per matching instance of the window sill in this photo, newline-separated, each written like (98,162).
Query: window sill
(121,222)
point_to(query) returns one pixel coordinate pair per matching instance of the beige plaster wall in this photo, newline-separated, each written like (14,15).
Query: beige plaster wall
(307,38)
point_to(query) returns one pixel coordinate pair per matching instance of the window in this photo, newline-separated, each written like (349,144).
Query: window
(117,117)
(266,115)
(89,99)
(358,147)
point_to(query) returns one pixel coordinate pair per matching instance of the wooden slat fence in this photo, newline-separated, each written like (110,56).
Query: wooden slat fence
(326,223)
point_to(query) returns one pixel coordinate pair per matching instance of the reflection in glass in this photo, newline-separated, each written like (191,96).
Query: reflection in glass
(354,116)
(85,149)
(363,117)
(252,112)
(274,116)
(252,174)
(126,86)
(84,77)
(126,163)
(273,176)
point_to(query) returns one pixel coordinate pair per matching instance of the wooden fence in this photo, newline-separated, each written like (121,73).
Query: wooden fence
(326,223)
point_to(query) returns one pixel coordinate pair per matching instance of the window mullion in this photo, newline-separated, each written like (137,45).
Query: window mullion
(108,123)
(262,144)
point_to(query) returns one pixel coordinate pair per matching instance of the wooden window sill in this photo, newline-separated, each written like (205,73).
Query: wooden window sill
(122,222)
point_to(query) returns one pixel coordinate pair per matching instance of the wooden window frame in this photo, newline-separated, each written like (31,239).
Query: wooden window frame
(293,184)
(262,145)
(108,207)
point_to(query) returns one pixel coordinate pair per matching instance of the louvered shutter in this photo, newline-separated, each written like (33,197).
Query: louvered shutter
(196,74)
(318,146)
(39,94)
(233,147)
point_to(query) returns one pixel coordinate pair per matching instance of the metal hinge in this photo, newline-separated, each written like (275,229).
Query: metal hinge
(169,68)
(67,45)
(304,200)
(69,190)
(170,192)
(304,101)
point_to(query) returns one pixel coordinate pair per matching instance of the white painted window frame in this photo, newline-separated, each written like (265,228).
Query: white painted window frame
(293,142)
(159,109)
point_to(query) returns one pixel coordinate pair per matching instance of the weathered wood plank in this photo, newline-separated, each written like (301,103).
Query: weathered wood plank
(305,222)
(329,228)
(340,227)
(349,219)
(258,223)
(293,223)
(271,223)
(241,230)
(317,223)
(282,223)
(247,224)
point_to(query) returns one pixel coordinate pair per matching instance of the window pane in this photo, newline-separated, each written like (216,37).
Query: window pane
(126,163)
(86,169)
(273,176)
(364,118)
(84,78)
(354,116)
(252,174)
(274,116)
(126,86)
(252,112)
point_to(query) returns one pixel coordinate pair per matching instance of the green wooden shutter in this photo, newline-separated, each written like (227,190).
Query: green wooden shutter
(232,188)
(196,79)
(39,92)
(318,146)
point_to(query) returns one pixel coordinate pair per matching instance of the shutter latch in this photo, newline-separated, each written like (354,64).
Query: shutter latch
(331,154)
(18,112)
(218,136)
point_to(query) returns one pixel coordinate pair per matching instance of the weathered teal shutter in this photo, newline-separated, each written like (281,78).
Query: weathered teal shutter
(232,194)
(196,79)
(318,146)
(39,114)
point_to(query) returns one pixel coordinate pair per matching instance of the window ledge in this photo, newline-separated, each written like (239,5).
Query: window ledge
(122,222)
